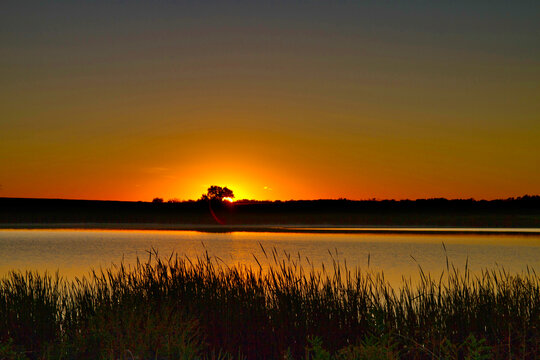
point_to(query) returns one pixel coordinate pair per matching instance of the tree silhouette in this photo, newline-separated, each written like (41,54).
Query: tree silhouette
(217,193)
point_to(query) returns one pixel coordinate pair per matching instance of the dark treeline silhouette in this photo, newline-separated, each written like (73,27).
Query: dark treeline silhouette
(512,212)
(437,204)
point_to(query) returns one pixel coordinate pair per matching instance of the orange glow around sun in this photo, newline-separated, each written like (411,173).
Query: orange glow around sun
(247,176)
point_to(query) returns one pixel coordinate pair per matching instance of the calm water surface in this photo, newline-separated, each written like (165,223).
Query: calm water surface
(75,252)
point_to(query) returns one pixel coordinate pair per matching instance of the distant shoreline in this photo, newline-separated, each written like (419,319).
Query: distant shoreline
(317,216)
(285,228)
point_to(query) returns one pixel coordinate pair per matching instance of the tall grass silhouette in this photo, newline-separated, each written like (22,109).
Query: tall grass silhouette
(182,308)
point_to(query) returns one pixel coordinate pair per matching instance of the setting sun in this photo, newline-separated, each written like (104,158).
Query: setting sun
(228,199)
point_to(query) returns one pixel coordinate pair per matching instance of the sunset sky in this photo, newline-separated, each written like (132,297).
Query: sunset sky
(129,100)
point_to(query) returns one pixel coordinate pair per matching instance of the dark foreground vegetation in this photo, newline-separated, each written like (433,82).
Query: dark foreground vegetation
(513,212)
(177,308)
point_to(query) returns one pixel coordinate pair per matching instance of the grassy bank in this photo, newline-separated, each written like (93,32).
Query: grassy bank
(178,308)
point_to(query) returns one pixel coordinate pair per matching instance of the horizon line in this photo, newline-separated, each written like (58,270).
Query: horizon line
(173,200)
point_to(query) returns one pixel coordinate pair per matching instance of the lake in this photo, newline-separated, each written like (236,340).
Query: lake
(75,252)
